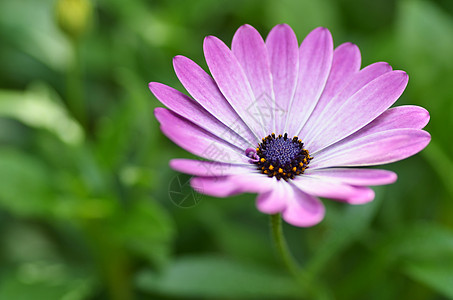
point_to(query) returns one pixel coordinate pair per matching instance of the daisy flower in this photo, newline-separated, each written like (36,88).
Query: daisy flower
(290,123)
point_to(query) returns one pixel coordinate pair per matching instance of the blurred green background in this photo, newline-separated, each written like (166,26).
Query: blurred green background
(85,208)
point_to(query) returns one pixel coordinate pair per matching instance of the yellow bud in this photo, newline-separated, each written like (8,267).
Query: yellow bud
(74,16)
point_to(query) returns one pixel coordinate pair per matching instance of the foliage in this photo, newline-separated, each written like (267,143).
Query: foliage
(85,209)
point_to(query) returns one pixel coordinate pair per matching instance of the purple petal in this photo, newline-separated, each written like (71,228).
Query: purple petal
(322,187)
(206,92)
(360,177)
(362,108)
(284,61)
(197,140)
(302,209)
(209,168)
(275,200)
(400,117)
(221,186)
(226,186)
(192,111)
(316,124)
(215,186)
(249,48)
(233,83)
(315,61)
(297,207)
(374,149)
(346,62)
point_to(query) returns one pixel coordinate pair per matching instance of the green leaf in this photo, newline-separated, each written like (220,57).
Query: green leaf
(427,252)
(40,107)
(25,184)
(46,280)
(219,278)
(418,250)
(420,242)
(42,41)
(146,229)
(436,274)
(343,228)
(314,13)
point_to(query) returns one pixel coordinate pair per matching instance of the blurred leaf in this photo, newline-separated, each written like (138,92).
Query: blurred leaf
(24,184)
(409,249)
(46,281)
(233,237)
(42,40)
(128,125)
(427,251)
(39,107)
(343,228)
(146,229)
(419,242)
(441,163)
(425,34)
(314,13)
(219,278)
(436,274)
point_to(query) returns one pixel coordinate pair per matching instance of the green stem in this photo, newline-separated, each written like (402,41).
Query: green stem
(74,87)
(282,247)
(312,289)
(113,262)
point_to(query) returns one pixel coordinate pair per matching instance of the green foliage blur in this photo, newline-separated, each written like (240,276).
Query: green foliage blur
(86,203)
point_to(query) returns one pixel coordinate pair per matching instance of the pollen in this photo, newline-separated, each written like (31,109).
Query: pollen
(282,157)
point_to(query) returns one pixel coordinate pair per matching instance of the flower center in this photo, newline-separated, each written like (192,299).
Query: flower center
(280,156)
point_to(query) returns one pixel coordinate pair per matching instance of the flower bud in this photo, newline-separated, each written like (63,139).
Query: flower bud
(74,16)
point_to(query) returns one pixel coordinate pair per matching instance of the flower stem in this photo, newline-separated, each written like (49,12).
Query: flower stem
(312,289)
(282,247)
(74,86)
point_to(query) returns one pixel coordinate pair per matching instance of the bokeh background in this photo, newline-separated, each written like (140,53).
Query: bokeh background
(89,208)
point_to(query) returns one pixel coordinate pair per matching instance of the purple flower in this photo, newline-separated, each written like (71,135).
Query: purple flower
(290,123)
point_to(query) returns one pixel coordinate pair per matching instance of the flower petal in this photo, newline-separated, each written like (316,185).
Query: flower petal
(206,92)
(192,111)
(302,209)
(360,177)
(362,108)
(374,149)
(275,200)
(233,83)
(284,61)
(209,168)
(400,117)
(215,186)
(315,61)
(226,186)
(345,63)
(197,140)
(249,48)
(316,125)
(332,189)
